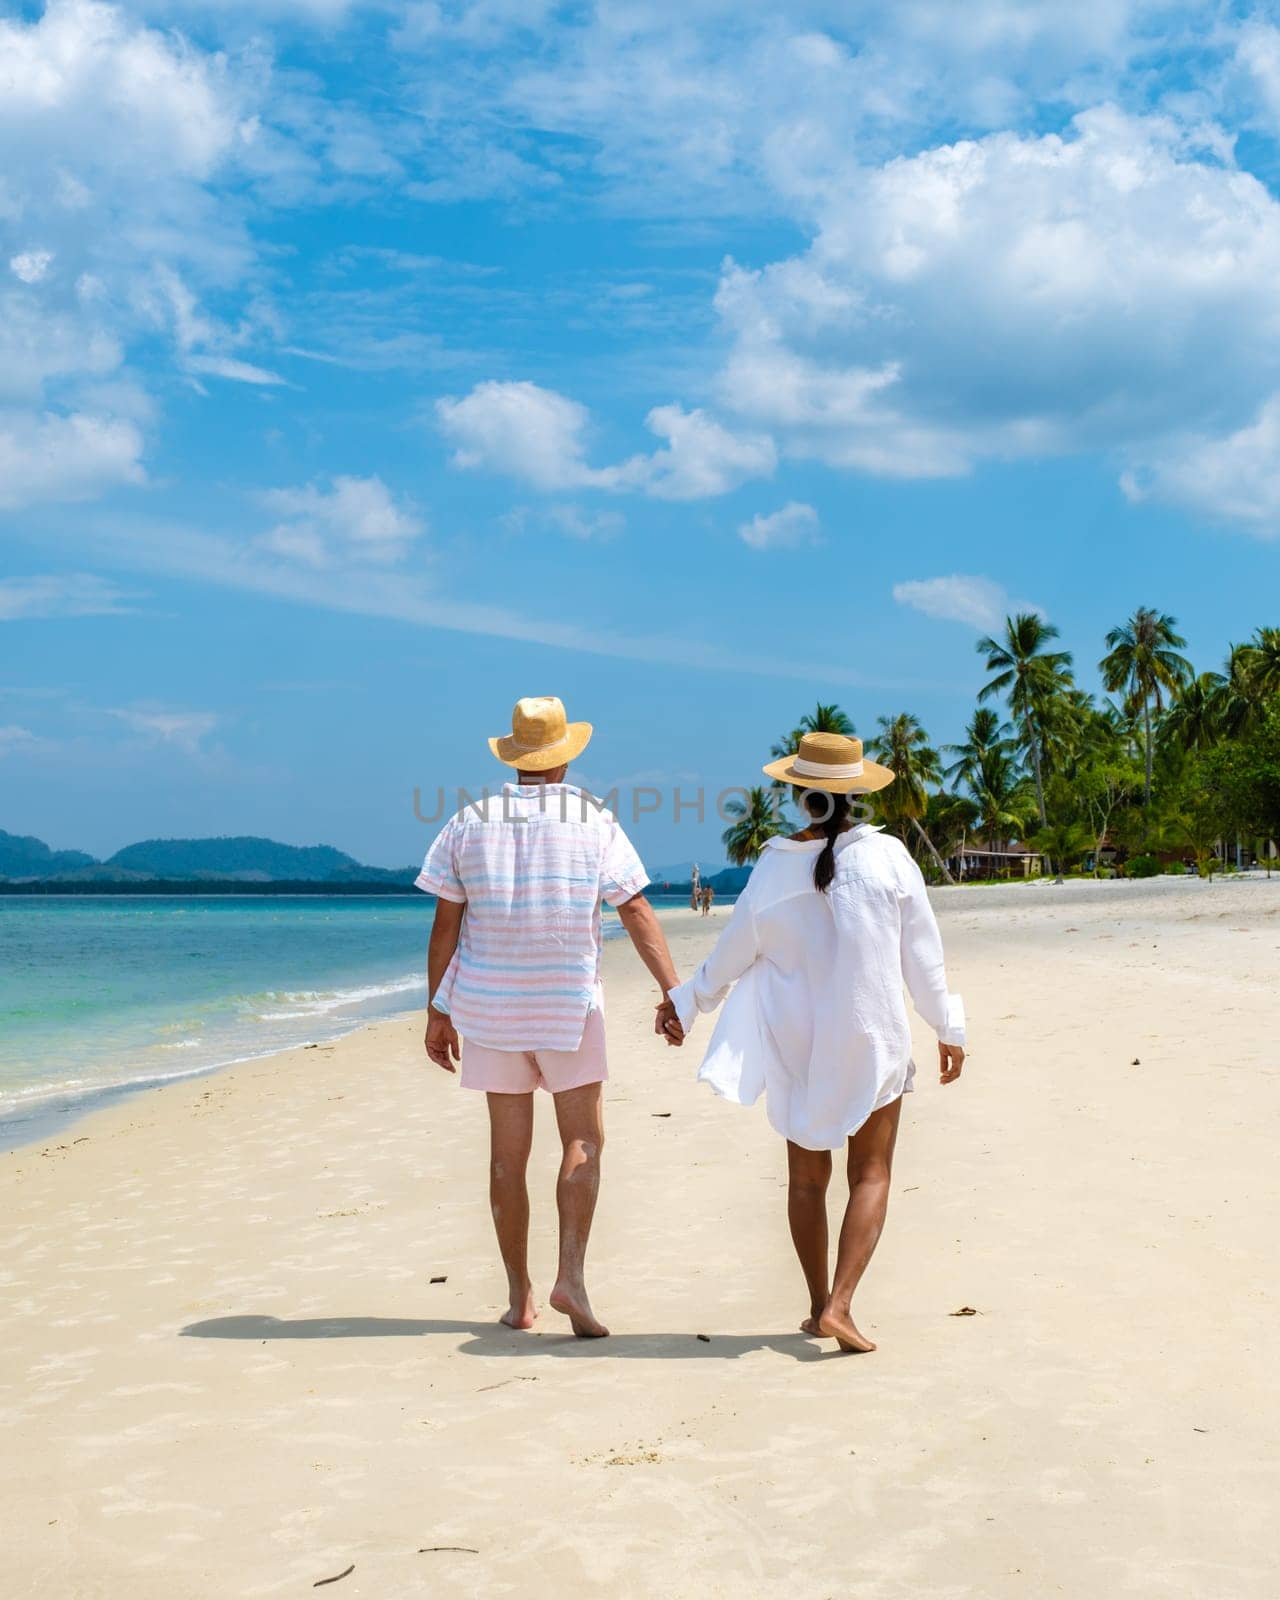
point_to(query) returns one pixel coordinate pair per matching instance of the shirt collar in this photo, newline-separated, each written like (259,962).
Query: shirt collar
(858,831)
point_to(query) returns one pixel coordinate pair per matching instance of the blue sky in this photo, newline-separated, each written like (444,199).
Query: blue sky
(365,366)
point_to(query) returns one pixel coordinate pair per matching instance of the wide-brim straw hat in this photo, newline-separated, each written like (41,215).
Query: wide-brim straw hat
(540,737)
(831,762)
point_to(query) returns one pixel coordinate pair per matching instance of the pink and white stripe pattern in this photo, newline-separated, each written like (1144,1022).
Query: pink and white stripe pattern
(532,865)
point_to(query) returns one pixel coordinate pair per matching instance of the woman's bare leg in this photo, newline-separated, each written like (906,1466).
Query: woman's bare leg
(510,1140)
(808,1175)
(870,1166)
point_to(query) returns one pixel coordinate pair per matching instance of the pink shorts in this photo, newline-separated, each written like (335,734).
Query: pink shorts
(523,1071)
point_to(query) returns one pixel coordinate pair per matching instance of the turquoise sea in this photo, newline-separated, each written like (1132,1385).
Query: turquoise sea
(100,994)
(106,994)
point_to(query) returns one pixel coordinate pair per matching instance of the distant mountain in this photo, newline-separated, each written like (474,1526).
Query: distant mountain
(682,871)
(241,859)
(724,880)
(21,856)
(733,880)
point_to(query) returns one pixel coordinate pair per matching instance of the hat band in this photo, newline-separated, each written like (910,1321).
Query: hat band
(825,769)
(534,749)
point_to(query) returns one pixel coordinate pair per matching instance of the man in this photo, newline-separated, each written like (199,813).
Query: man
(514,966)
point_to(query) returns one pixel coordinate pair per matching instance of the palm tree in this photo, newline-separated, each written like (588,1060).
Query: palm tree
(985,737)
(1062,843)
(1194,720)
(758,822)
(1032,678)
(903,745)
(1142,662)
(1250,678)
(822,719)
(1264,662)
(1005,800)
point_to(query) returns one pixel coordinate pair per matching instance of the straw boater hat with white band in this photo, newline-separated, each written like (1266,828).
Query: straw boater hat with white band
(831,762)
(540,738)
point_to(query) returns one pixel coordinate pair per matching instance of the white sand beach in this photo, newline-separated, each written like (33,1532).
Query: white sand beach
(227,1370)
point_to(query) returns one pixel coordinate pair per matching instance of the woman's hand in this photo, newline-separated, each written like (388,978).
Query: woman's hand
(950,1060)
(442,1040)
(667,1023)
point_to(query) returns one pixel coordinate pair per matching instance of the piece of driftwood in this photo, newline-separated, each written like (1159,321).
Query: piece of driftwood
(461,1549)
(320,1582)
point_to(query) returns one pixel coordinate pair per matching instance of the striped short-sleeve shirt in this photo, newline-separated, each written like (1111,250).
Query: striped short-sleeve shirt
(532,865)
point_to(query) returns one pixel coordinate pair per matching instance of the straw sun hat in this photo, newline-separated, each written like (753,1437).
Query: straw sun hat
(540,738)
(831,762)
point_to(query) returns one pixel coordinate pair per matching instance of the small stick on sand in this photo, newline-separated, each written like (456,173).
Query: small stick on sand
(320,1582)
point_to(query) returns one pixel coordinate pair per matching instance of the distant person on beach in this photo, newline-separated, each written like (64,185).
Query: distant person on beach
(708,897)
(514,967)
(832,922)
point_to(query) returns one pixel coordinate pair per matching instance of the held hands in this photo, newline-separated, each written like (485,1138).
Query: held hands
(442,1040)
(950,1061)
(666,1024)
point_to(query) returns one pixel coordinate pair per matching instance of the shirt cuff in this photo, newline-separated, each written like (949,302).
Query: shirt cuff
(617,894)
(954,1031)
(683,999)
(441,889)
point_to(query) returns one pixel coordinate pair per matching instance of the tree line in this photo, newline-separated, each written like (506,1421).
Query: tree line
(1167,765)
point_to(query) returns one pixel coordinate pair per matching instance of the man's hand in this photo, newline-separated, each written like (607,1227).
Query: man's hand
(442,1040)
(950,1060)
(667,1024)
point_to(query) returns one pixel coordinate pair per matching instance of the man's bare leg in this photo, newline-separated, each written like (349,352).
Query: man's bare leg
(510,1140)
(870,1167)
(808,1174)
(580,1116)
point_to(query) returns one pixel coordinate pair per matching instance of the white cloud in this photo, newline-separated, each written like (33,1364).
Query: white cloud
(354,520)
(157,725)
(1014,297)
(978,602)
(51,457)
(670,108)
(702,457)
(1234,478)
(110,136)
(525,431)
(795,524)
(575,522)
(404,596)
(31,265)
(229,367)
(16,740)
(71,594)
(522,430)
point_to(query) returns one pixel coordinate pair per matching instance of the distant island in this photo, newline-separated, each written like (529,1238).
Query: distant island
(237,865)
(242,864)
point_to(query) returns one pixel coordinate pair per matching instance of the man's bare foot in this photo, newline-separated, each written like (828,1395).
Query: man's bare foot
(522,1312)
(810,1325)
(840,1326)
(574,1304)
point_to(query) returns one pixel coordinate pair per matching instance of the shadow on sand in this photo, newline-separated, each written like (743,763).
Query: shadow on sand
(492,1339)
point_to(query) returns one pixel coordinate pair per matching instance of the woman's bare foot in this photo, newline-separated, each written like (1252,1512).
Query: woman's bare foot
(521,1313)
(840,1326)
(573,1302)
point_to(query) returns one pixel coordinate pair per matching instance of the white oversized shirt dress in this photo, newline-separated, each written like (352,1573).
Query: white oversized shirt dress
(817,1020)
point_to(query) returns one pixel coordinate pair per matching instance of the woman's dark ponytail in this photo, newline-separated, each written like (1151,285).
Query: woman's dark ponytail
(834,810)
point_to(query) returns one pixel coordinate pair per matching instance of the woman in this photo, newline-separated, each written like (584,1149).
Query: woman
(831,923)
